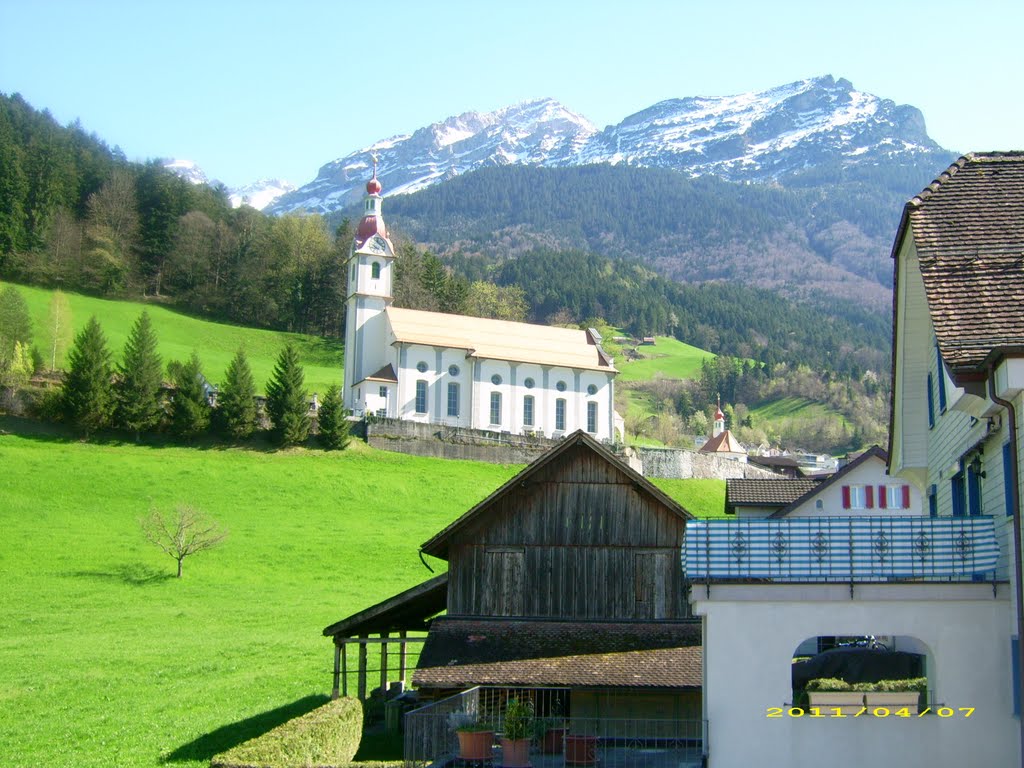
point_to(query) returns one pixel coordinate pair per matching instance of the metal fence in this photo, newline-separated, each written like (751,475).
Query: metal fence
(843,549)
(558,739)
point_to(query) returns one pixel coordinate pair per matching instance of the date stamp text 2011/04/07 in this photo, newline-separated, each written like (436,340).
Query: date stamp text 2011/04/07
(819,712)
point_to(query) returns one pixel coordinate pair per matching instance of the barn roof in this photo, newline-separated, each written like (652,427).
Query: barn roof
(500,339)
(460,652)
(409,610)
(438,544)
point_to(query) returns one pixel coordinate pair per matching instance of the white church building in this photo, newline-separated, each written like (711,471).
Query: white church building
(461,371)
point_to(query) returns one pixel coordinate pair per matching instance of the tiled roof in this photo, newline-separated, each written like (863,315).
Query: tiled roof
(724,442)
(462,652)
(766,492)
(499,339)
(968,226)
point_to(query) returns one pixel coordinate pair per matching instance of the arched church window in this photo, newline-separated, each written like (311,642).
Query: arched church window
(375,270)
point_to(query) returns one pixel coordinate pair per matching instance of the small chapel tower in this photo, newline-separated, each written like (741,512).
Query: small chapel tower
(369,272)
(719,426)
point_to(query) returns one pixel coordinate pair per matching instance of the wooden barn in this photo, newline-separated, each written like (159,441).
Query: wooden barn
(564,586)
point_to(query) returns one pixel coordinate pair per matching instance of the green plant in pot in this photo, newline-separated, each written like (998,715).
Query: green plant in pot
(550,733)
(517,733)
(893,694)
(830,693)
(475,734)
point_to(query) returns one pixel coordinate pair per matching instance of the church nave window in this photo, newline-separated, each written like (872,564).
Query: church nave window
(421,396)
(495,407)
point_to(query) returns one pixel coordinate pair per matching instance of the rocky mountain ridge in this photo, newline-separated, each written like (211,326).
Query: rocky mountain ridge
(767,136)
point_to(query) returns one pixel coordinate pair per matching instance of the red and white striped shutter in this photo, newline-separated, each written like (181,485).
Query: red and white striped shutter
(846,497)
(869,496)
(906,497)
(883,497)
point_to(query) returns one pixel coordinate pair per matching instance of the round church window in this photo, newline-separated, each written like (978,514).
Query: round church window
(421,367)
(528,383)
(592,389)
(453,370)
(495,379)
(560,386)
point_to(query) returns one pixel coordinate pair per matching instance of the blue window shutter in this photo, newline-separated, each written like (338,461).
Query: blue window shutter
(942,381)
(1008,489)
(973,493)
(1016,674)
(931,404)
(933,502)
(956,487)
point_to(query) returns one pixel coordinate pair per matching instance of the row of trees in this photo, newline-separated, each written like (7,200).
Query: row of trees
(132,396)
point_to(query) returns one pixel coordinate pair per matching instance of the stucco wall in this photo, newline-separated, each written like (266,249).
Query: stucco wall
(684,465)
(752,631)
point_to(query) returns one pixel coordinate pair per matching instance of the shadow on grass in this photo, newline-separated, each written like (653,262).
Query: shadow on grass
(134,574)
(227,736)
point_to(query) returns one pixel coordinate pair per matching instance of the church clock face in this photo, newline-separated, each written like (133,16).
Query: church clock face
(378,245)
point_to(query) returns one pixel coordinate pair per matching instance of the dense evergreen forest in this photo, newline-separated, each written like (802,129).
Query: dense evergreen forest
(826,235)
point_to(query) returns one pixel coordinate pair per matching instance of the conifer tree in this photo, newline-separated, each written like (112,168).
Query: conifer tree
(332,424)
(87,397)
(139,405)
(236,404)
(287,400)
(190,410)
(15,321)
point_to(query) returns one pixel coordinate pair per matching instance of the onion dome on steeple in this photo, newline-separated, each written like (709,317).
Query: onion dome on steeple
(372,222)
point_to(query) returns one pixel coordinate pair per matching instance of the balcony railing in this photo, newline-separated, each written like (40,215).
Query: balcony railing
(608,742)
(843,549)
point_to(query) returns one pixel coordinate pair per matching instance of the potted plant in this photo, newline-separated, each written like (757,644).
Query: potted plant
(893,694)
(475,734)
(551,730)
(516,735)
(831,693)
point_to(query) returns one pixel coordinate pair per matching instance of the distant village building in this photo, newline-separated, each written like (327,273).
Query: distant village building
(722,442)
(463,371)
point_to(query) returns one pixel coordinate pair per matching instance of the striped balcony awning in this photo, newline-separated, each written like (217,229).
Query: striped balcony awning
(841,549)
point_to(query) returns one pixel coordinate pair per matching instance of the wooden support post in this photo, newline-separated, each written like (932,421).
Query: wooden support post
(344,670)
(401,659)
(384,666)
(362,671)
(337,669)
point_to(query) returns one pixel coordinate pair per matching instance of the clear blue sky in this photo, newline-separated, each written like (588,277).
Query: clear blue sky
(251,89)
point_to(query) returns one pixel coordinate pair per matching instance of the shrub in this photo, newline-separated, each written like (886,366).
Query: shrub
(828,684)
(328,735)
(518,720)
(918,684)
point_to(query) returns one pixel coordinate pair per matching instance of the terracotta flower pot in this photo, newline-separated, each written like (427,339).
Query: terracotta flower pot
(551,744)
(515,753)
(475,745)
(580,750)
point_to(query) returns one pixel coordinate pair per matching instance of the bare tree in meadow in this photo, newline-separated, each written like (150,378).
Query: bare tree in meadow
(183,533)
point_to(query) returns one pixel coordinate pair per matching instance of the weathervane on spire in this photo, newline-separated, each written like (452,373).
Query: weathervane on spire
(375,158)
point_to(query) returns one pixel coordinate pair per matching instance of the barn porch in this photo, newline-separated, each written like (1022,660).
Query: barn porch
(613,728)
(385,626)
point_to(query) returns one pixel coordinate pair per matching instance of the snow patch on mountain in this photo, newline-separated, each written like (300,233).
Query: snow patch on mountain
(259,194)
(187,170)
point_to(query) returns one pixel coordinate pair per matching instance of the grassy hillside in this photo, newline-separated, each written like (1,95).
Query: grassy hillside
(793,408)
(668,357)
(216,343)
(107,660)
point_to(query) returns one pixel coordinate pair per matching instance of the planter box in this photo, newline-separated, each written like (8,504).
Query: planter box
(580,750)
(847,702)
(515,753)
(892,700)
(475,746)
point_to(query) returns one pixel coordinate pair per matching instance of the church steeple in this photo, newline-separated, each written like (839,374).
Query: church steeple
(372,222)
(719,427)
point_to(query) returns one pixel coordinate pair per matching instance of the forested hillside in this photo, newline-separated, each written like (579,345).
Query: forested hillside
(826,235)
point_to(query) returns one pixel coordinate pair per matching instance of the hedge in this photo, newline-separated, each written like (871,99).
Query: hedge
(326,737)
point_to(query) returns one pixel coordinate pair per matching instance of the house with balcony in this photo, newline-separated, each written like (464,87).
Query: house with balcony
(933,580)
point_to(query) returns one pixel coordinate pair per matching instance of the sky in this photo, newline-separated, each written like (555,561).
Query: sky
(260,89)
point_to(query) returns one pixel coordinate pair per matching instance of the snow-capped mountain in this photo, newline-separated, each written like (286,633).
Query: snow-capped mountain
(260,193)
(187,170)
(760,136)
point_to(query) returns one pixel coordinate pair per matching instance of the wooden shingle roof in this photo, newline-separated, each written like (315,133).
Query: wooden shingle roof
(461,652)
(968,227)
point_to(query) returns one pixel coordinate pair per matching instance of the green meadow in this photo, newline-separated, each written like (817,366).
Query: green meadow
(180,334)
(667,357)
(793,408)
(106,659)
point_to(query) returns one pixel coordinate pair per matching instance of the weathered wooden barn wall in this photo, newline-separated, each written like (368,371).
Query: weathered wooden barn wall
(579,541)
